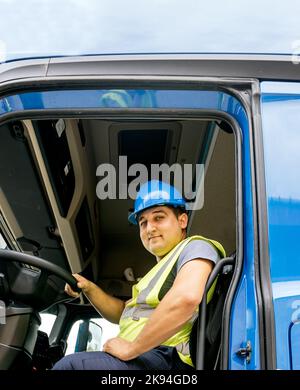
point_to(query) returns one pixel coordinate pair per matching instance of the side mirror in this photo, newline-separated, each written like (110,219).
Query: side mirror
(88,337)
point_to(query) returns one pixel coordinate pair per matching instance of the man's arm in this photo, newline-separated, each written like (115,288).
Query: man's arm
(108,306)
(174,310)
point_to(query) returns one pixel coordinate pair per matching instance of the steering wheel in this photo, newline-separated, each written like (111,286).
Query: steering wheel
(43,265)
(25,293)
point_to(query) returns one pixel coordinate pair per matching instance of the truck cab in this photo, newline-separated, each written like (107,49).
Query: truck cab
(78,133)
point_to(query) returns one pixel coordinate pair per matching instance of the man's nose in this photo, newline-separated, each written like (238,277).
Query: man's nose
(150,227)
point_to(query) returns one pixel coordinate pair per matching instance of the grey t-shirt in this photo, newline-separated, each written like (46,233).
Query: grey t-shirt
(196,249)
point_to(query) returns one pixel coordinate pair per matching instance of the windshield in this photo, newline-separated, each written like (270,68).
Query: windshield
(43,28)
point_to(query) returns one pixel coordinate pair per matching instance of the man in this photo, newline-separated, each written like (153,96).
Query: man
(155,324)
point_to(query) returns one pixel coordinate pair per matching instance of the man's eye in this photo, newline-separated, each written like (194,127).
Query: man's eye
(142,223)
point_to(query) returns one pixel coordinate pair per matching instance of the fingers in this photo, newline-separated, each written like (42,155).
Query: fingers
(106,346)
(78,277)
(70,292)
(82,282)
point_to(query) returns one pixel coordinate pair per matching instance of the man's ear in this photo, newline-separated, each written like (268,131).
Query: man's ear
(183,220)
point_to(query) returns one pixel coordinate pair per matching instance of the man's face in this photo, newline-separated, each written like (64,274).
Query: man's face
(161,230)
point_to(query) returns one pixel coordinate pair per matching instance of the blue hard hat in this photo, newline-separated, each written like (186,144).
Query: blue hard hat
(155,193)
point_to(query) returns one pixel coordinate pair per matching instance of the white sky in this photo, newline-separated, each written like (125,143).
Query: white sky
(141,26)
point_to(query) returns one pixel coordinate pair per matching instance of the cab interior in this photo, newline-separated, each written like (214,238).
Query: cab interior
(50,208)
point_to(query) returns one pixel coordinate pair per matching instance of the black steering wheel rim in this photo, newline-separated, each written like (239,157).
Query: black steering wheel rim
(19,257)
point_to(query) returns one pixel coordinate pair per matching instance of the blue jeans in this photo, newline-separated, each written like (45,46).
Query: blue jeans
(160,358)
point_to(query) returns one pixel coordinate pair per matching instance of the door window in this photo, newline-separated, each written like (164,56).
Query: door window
(281,137)
(90,335)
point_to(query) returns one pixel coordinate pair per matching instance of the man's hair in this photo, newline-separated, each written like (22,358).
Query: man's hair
(177,210)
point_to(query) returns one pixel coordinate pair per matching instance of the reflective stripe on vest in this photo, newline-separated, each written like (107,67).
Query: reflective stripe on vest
(145,300)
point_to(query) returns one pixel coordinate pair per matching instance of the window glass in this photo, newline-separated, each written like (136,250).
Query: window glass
(281,139)
(47,322)
(2,242)
(98,334)
(280,119)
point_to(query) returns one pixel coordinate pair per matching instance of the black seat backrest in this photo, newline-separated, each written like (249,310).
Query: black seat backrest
(214,315)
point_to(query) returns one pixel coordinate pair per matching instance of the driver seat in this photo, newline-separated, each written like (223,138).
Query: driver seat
(214,314)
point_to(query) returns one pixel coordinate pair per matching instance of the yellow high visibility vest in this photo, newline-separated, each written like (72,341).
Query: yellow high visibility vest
(145,300)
